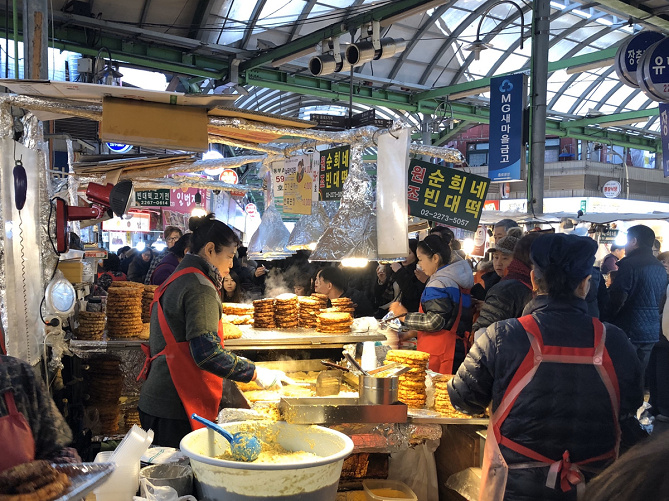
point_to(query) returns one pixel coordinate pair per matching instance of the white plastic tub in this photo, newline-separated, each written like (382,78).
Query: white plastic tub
(316,480)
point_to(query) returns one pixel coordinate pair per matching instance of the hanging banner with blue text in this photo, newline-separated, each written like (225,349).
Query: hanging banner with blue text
(507,151)
(664,130)
(448,196)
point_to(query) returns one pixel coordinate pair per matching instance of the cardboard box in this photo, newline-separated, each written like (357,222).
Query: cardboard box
(73,270)
(143,123)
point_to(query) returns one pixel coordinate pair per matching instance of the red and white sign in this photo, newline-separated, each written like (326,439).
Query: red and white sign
(229,176)
(612,189)
(480,238)
(251,209)
(491,205)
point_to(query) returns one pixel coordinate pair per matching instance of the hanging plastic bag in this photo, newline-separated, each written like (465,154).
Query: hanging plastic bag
(417,468)
(159,493)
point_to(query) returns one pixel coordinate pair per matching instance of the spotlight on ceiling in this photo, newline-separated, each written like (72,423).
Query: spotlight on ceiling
(330,61)
(374,47)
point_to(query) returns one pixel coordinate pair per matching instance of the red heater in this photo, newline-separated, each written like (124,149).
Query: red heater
(106,200)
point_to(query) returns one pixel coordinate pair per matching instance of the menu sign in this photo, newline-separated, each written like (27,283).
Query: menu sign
(448,196)
(333,172)
(298,185)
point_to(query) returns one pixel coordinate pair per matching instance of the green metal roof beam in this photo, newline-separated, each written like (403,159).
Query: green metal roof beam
(384,13)
(640,12)
(482,83)
(617,117)
(553,128)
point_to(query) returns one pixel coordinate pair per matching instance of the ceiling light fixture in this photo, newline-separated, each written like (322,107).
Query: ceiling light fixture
(478,45)
(198,210)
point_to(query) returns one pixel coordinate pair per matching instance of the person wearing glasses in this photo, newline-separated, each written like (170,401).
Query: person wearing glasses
(444,319)
(171,260)
(171,234)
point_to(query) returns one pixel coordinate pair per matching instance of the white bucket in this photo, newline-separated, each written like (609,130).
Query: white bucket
(316,480)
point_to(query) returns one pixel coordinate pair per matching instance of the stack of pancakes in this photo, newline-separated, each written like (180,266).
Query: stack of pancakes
(104,383)
(334,322)
(147,298)
(343,304)
(33,481)
(263,314)
(310,306)
(91,325)
(286,311)
(412,383)
(124,310)
(442,401)
(131,417)
(239,309)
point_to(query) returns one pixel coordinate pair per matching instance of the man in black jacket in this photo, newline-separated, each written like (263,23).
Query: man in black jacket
(331,281)
(635,296)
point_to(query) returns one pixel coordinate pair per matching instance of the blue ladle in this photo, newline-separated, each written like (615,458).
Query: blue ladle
(243,446)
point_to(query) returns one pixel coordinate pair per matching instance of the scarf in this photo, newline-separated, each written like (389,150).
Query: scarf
(518,270)
(214,274)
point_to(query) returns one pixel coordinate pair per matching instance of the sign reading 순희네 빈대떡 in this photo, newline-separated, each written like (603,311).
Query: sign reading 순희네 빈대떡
(507,151)
(333,172)
(448,196)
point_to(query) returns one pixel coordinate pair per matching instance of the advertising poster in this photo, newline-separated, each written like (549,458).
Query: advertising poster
(300,178)
(334,167)
(664,130)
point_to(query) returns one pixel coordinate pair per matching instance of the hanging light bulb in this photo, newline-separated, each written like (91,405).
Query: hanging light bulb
(159,244)
(198,210)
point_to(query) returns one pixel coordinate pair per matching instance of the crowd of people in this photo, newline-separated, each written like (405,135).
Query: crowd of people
(557,348)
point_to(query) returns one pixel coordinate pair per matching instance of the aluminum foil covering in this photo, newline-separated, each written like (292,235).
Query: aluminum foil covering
(270,150)
(270,239)
(6,131)
(73,186)
(330,208)
(79,109)
(33,138)
(200,165)
(132,360)
(382,437)
(447,154)
(351,223)
(309,228)
(143,183)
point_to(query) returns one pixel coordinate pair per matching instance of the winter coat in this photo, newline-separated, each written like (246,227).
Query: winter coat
(410,286)
(164,269)
(635,296)
(564,407)
(598,295)
(507,298)
(441,299)
(138,269)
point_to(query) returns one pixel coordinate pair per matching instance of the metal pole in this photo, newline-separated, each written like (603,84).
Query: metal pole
(15,20)
(426,134)
(539,89)
(35,39)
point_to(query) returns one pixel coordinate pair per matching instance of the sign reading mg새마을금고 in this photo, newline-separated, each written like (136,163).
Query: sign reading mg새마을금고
(448,196)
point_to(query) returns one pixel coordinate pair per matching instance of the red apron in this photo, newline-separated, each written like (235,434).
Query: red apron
(18,441)
(440,344)
(495,469)
(200,391)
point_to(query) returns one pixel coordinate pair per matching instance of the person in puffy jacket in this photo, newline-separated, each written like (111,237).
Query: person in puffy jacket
(509,297)
(635,296)
(171,260)
(559,383)
(445,317)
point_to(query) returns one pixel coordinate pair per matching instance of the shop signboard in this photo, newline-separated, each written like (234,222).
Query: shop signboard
(251,209)
(480,238)
(629,54)
(153,198)
(119,148)
(608,237)
(448,196)
(611,189)
(507,151)
(664,131)
(278,179)
(300,176)
(230,176)
(333,172)
(491,205)
(329,122)
(654,68)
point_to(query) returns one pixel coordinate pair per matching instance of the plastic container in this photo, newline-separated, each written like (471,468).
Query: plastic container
(380,490)
(368,360)
(179,478)
(316,480)
(378,390)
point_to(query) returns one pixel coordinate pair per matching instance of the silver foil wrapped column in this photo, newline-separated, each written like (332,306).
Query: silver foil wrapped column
(6,132)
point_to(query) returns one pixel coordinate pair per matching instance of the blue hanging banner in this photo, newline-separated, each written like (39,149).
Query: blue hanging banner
(664,130)
(507,151)
(119,147)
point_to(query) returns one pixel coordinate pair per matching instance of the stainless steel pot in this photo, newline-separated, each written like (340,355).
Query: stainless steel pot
(377,390)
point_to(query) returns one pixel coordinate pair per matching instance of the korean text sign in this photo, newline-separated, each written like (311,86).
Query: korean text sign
(153,198)
(507,151)
(449,196)
(298,191)
(664,130)
(333,172)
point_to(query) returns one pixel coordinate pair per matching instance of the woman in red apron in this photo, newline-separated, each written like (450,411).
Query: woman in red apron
(559,381)
(186,362)
(445,316)
(30,425)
